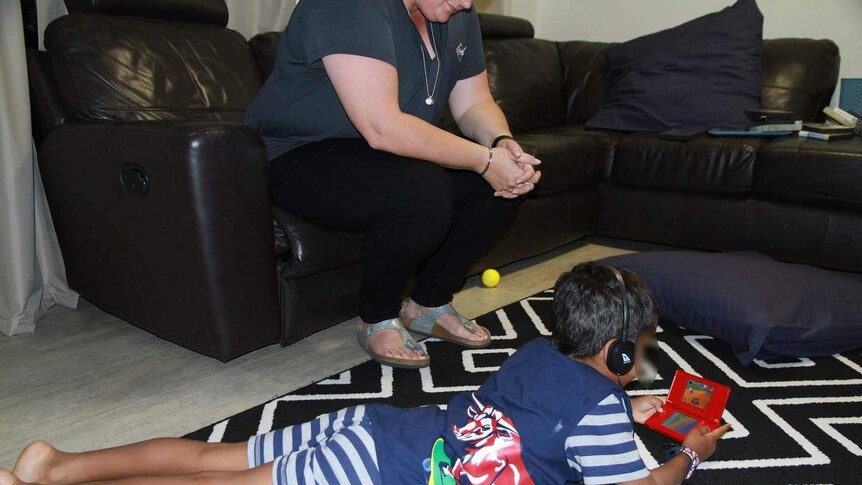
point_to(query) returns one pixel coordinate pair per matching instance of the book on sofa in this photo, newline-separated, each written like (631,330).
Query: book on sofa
(825,136)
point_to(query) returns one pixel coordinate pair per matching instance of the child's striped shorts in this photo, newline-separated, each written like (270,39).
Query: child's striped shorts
(336,448)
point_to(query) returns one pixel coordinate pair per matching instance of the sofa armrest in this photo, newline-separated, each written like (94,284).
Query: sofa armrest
(168,225)
(800,75)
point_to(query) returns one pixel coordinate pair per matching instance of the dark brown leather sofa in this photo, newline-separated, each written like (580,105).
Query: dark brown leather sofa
(159,193)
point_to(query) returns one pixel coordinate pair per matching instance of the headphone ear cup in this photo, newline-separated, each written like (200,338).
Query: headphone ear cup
(621,357)
(613,360)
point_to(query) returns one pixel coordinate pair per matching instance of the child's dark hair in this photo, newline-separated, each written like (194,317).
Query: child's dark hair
(588,310)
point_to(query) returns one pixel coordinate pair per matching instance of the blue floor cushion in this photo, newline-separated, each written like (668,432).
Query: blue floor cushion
(761,307)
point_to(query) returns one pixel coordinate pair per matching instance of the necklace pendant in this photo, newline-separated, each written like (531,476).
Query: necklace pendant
(429,101)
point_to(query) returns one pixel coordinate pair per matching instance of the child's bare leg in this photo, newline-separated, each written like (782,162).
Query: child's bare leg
(41,463)
(261,475)
(7,478)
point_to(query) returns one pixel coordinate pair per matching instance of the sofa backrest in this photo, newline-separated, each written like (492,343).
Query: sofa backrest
(264,48)
(116,60)
(525,74)
(526,79)
(541,83)
(586,77)
(154,60)
(798,75)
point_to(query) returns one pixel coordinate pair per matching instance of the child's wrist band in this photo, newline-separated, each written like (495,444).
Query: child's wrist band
(694,459)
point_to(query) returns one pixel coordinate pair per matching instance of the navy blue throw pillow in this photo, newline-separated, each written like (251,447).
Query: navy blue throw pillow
(702,74)
(761,307)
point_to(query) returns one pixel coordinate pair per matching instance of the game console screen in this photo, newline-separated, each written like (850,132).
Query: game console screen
(697,394)
(680,423)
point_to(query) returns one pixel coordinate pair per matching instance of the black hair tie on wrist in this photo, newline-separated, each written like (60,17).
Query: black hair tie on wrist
(501,138)
(668,451)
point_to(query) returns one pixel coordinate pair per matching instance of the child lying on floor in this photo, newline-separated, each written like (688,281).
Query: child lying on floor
(554,413)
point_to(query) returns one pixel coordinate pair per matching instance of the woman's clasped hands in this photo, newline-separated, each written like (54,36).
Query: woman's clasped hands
(513,171)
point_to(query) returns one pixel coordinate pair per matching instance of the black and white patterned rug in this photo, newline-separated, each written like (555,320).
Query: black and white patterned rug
(797,421)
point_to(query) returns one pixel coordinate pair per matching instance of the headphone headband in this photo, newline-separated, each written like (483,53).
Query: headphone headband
(624,295)
(621,354)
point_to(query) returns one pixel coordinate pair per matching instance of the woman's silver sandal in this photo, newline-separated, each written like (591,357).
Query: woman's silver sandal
(427,325)
(366,334)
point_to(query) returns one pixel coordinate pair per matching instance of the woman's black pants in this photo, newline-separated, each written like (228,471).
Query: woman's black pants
(415,215)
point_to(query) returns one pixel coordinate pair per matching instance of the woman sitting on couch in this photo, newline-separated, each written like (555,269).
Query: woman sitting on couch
(349,117)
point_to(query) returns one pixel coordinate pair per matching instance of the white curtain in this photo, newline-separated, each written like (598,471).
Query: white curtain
(32,277)
(248,17)
(251,17)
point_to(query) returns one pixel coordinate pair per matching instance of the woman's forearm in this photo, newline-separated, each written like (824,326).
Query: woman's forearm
(484,122)
(409,136)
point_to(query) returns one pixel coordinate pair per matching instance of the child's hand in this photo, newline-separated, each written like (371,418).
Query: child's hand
(645,406)
(703,441)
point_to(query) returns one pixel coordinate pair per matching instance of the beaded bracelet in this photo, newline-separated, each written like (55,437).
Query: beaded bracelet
(694,460)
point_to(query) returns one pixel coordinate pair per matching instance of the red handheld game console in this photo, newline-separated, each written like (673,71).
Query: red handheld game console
(693,401)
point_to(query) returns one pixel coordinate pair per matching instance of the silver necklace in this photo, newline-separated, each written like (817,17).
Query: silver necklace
(430,91)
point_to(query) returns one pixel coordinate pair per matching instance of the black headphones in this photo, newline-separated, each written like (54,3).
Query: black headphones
(621,355)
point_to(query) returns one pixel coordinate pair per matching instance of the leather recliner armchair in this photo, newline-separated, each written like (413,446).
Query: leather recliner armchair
(157,190)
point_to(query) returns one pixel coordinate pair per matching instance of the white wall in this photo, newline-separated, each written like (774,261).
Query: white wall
(492,6)
(621,20)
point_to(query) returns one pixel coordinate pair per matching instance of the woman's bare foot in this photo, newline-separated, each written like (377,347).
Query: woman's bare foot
(36,463)
(7,478)
(450,322)
(389,343)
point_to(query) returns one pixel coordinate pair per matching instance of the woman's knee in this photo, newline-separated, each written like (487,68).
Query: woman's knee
(426,192)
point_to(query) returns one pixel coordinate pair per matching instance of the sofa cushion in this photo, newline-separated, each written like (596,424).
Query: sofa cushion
(304,248)
(704,73)
(708,164)
(811,171)
(799,75)
(571,156)
(526,80)
(761,307)
(120,68)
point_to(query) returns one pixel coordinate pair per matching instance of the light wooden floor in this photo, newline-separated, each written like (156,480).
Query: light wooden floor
(88,380)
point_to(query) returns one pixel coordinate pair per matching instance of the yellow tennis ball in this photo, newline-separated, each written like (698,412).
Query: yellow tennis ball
(490,278)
